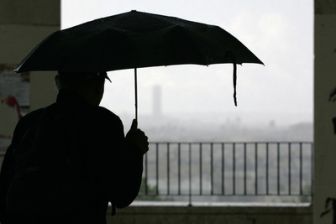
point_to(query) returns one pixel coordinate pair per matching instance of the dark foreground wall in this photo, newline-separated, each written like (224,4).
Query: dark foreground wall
(324,109)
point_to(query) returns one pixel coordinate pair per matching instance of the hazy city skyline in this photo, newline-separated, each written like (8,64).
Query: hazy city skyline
(280,33)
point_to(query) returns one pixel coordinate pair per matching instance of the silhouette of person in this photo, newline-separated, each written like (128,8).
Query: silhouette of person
(68,160)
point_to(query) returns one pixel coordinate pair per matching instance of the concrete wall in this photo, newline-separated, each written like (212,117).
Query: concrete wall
(23,24)
(325,81)
(213,215)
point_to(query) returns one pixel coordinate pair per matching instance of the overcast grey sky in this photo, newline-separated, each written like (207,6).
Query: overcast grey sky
(279,32)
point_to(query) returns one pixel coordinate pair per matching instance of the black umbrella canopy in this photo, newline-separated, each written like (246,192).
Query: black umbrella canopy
(134,40)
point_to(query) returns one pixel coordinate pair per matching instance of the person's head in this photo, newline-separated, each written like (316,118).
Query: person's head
(88,85)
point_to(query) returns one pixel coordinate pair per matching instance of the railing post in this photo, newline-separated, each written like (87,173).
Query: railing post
(289,168)
(234,168)
(267,167)
(211,169)
(168,168)
(179,167)
(157,168)
(256,167)
(278,168)
(301,187)
(223,169)
(245,169)
(200,168)
(190,190)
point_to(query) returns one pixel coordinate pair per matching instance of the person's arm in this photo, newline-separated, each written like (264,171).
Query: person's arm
(129,167)
(116,161)
(5,176)
(128,175)
(7,167)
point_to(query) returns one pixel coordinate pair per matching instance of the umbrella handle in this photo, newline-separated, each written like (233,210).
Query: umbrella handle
(136,93)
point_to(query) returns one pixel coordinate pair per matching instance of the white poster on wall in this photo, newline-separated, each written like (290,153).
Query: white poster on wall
(14,84)
(14,98)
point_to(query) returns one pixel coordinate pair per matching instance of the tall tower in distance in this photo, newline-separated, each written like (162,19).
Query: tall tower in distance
(157,101)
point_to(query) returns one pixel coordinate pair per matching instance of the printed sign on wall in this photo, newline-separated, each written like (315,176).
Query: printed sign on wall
(14,85)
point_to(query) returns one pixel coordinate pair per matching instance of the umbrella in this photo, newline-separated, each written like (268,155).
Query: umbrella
(135,40)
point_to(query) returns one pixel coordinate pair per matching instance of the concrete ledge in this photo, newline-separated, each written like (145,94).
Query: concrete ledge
(214,215)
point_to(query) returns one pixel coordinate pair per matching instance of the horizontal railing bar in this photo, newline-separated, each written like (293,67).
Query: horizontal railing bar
(230,142)
(218,194)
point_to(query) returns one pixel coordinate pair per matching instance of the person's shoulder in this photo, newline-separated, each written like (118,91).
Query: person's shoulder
(27,121)
(34,115)
(107,115)
(106,112)
(31,116)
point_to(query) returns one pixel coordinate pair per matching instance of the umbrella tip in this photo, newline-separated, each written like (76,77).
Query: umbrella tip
(17,69)
(133,10)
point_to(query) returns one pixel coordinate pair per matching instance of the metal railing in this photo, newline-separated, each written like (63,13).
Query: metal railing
(239,169)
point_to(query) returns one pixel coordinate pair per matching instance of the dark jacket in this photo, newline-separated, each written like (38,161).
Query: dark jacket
(66,162)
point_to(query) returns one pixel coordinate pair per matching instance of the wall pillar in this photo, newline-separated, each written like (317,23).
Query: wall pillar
(23,24)
(324,110)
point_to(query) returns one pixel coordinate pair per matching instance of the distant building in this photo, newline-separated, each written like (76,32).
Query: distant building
(157,101)
(272,124)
